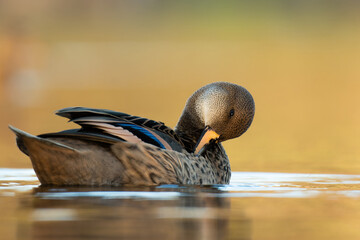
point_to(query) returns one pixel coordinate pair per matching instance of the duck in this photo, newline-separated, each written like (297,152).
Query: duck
(114,149)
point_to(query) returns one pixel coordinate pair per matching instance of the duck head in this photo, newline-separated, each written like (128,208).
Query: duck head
(216,112)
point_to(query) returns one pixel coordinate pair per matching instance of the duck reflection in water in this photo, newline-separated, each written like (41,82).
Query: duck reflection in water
(168,212)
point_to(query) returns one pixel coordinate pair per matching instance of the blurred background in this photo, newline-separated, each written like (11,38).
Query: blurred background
(299,59)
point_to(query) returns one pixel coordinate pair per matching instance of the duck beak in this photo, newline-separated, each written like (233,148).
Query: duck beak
(206,136)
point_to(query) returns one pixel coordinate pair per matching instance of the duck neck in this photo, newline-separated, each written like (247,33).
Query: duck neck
(189,129)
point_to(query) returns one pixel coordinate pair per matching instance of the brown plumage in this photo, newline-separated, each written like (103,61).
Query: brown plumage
(113,148)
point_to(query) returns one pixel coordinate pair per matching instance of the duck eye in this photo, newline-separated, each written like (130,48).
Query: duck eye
(232,112)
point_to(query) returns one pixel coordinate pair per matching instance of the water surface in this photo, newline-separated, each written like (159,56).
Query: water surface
(255,205)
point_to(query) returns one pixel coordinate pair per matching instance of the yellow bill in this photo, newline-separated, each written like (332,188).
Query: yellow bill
(207,135)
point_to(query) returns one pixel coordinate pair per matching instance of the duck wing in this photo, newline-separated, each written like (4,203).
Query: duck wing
(110,126)
(65,161)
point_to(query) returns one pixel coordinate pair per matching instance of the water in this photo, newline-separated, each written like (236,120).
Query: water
(254,206)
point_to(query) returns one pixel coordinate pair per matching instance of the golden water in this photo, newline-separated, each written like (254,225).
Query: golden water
(254,206)
(300,60)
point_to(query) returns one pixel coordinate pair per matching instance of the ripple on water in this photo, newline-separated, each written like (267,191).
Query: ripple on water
(243,184)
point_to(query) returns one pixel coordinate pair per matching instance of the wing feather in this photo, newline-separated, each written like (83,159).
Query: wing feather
(117,131)
(74,113)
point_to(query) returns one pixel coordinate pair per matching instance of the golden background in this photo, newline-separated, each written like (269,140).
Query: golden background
(299,59)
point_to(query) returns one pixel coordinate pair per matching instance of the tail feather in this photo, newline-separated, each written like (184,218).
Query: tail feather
(22,137)
(43,154)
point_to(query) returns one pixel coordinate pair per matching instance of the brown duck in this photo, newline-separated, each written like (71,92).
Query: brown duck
(114,148)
